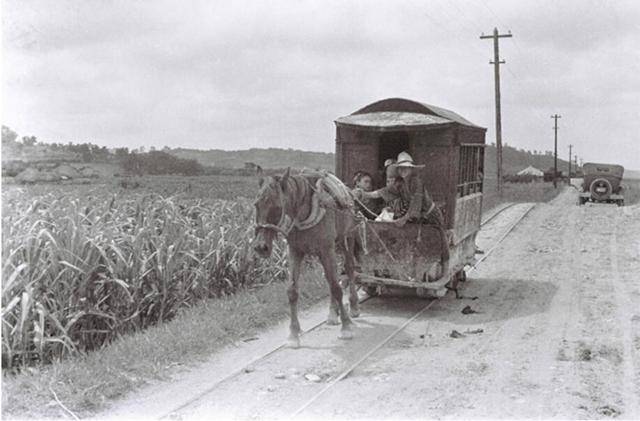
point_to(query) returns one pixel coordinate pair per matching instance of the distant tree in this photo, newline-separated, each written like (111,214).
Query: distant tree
(29,140)
(8,135)
(122,153)
(132,164)
(157,163)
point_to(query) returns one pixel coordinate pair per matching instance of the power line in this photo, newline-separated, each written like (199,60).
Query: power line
(501,23)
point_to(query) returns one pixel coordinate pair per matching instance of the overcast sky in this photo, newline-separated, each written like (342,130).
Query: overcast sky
(235,75)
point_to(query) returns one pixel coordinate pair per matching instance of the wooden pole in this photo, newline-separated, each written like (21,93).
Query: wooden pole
(496,70)
(555,150)
(570,146)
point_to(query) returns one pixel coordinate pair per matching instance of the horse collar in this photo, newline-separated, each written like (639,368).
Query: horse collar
(286,223)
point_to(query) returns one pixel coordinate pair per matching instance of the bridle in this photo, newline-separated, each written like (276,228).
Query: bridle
(286,223)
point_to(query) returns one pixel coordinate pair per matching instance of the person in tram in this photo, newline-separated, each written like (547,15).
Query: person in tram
(414,204)
(368,206)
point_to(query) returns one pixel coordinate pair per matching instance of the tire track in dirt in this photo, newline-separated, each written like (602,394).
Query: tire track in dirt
(527,379)
(625,310)
(536,380)
(591,358)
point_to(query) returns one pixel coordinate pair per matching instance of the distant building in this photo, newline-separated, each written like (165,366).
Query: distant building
(530,170)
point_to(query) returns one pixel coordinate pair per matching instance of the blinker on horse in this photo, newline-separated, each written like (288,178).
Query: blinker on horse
(296,207)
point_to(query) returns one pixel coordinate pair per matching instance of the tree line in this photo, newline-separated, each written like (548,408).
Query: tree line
(135,161)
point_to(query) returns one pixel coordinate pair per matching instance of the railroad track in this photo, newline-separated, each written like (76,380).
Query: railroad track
(368,354)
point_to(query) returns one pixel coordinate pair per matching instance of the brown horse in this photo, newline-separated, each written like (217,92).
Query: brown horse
(286,205)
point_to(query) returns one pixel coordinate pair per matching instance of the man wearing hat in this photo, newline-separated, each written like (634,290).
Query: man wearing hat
(421,208)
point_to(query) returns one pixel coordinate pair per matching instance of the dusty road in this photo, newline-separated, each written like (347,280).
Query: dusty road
(556,334)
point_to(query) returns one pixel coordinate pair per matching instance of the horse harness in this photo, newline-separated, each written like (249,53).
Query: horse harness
(286,223)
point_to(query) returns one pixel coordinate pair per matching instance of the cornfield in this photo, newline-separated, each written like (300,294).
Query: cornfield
(80,269)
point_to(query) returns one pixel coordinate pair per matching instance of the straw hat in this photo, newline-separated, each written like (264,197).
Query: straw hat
(405,160)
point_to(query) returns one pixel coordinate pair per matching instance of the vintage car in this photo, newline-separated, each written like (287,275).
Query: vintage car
(452,149)
(602,183)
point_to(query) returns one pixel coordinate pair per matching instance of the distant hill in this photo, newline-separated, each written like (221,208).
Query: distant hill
(632,174)
(513,160)
(266,158)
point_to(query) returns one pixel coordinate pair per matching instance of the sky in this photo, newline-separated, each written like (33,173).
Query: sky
(240,74)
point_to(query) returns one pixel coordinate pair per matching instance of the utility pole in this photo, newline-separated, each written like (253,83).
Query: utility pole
(570,146)
(496,70)
(575,162)
(555,150)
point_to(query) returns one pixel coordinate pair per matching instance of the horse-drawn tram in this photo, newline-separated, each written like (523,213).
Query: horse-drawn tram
(451,150)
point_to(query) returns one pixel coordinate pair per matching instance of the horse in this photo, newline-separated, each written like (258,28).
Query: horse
(292,205)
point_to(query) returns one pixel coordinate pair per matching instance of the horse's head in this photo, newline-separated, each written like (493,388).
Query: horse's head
(271,216)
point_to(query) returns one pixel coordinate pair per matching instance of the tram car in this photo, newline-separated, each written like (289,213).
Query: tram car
(602,183)
(452,150)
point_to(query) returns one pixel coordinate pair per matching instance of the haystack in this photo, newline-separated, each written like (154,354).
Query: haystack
(89,172)
(30,175)
(49,176)
(67,171)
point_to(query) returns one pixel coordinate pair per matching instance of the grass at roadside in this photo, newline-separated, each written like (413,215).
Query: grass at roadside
(631,191)
(517,192)
(85,384)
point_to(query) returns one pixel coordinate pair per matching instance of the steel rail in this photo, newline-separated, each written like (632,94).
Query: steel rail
(355,365)
(497,243)
(345,373)
(241,370)
(501,208)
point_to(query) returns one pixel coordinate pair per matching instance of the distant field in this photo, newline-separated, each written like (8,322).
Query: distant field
(517,192)
(83,264)
(631,191)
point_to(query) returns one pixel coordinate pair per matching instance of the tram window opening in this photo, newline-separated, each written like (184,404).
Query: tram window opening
(470,171)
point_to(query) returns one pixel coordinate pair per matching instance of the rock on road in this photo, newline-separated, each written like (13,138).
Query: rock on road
(556,334)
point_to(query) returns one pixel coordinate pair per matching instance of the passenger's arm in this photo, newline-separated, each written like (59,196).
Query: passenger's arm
(371,194)
(415,207)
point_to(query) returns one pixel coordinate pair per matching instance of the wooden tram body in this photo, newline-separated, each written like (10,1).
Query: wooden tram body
(452,150)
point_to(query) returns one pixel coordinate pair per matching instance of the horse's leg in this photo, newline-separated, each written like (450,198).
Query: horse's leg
(295,264)
(328,261)
(350,261)
(333,318)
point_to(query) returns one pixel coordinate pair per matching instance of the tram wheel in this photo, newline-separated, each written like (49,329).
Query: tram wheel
(371,290)
(423,293)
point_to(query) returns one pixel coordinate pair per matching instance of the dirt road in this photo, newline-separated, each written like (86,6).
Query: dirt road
(556,334)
